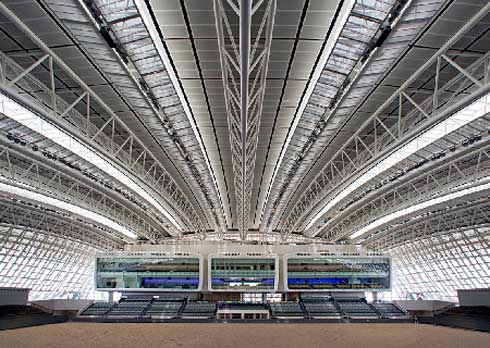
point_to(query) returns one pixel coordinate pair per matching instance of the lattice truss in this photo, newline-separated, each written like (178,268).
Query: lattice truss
(399,129)
(435,267)
(468,166)
(23,214)
(438,252)
(261,238)
(364,30)
(146,79)
(244,35)
(53,266)
(84,115)
(461,215)
(20,167)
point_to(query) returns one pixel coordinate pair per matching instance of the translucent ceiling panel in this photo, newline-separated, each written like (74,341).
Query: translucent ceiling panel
(434,268)
(52,266)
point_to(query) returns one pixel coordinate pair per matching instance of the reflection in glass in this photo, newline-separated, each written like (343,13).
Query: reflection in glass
(247,274)
(339,273)
(148,273)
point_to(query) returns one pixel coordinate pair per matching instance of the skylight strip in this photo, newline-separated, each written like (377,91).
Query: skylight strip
(418,207)
(18,113)
(148,22)
(47,200)
(470,113)
(332,40)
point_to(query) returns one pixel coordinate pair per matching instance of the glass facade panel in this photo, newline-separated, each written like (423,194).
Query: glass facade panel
(51,266)
(148,273)
(434,268)
(339,273)
(239,274)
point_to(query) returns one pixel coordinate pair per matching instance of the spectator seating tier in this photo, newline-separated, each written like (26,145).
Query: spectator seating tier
(161,308)
(97,309)
(389,310)
(321,310)
(287,309)
(199,309)
(357,310)
(129,307)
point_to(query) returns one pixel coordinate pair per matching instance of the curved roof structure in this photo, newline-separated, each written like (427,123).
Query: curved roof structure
(268,121)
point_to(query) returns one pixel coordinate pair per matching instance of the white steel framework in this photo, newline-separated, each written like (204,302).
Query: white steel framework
(456,218)
(447,175)
(151,84)
(244,65)
(20,214)
(93,123)
(434,268)
(17,168)
(360,31)
(403,116)
(52,266)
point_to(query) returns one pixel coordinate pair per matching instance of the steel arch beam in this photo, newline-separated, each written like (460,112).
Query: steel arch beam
(244,70)
(464,217)
(130,27)
(19,167)
(130,152)
(470,167)
(381,136)
(19,215)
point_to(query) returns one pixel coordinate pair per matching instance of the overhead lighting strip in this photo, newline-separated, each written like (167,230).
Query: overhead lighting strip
(50,201)
(332,40)
(148,22)
(418,207)
(368,25)
(120,31)
(20,114)
(470,113)
(433,121)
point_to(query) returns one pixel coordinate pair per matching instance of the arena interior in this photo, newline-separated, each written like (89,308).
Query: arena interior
(244,173)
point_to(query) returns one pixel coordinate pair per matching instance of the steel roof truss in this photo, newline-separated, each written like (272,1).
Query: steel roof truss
(413,115)
(244,70)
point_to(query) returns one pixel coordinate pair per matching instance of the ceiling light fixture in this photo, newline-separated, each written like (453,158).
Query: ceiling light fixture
(20,114)
(325,54)
(418,207)
(50,201)
(148,22)
(459,119)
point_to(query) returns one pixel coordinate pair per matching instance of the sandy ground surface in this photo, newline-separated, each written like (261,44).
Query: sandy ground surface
(93,335)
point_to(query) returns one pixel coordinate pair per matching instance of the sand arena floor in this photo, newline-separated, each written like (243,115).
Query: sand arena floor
(93,335)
